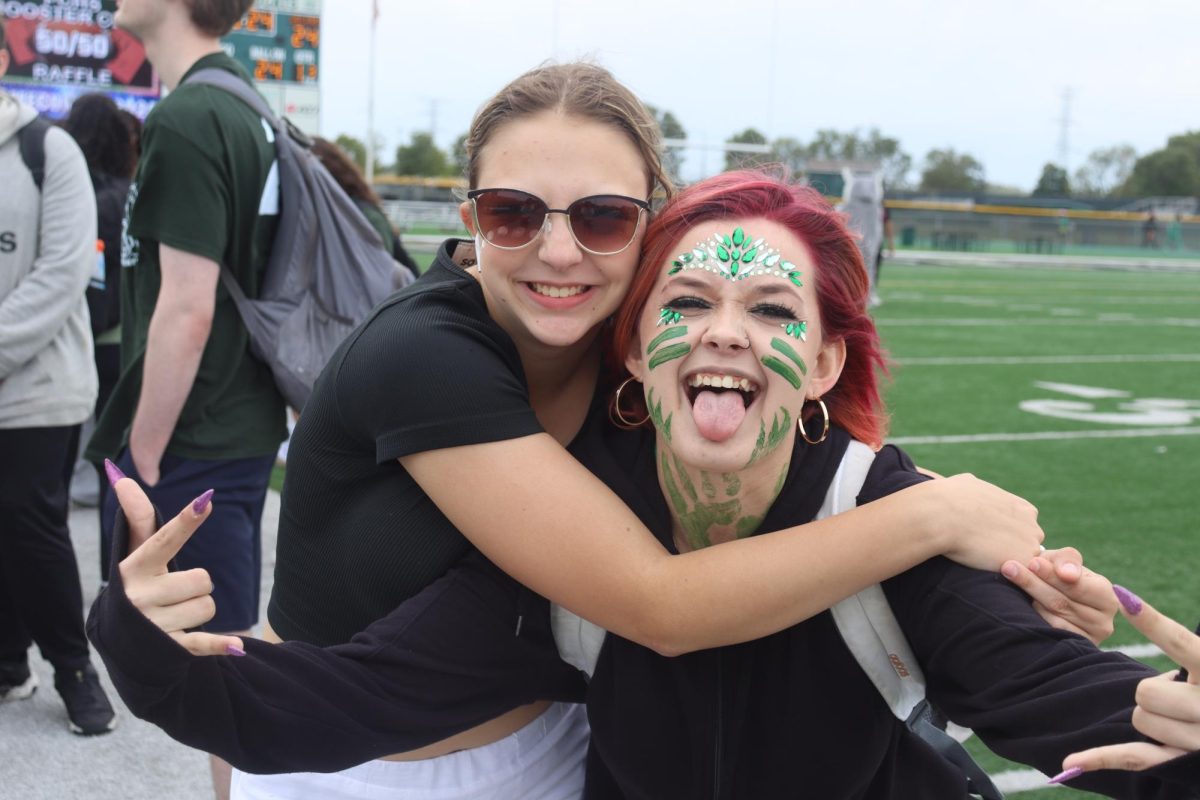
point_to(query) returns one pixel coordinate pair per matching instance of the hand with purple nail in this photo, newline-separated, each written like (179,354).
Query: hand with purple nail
(1168,706)
(174,601)
(1066,594)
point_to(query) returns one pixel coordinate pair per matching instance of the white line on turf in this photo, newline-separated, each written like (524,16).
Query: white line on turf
(1045,436)
(1057,322)
(963,361)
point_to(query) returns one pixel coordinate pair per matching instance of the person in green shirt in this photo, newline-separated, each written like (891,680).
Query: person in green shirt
(193,410)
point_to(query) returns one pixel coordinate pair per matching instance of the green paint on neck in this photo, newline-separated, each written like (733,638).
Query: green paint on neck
(706,486)
(733,484)
(685,479)
(673,493)
(672,352)
(667,335)
(775,365)
(786,349)
(768,442)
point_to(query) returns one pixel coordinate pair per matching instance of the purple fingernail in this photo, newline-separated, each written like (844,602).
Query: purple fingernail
(113,472)
(234,651)
(1129,601)
(1066,775)
(200,504)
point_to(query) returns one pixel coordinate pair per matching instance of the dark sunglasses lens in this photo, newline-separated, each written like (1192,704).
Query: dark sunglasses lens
(604,224)
(509,218)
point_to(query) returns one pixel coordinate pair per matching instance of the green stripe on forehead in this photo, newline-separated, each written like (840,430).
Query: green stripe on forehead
(786,349)
(667,335)
(670,353)
(774,364)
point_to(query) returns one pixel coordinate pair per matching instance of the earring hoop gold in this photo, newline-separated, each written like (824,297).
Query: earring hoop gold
(617,416)
(824,431)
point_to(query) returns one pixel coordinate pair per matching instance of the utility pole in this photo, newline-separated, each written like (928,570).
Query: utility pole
(371,96)
(1064,132)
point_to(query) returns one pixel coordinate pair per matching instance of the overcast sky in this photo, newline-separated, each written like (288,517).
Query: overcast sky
(981,76)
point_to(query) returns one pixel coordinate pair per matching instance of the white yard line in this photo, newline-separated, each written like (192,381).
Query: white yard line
(1113,358)
(1056,322)
(1047,436)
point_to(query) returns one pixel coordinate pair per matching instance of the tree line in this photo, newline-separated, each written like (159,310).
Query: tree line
(1108,172)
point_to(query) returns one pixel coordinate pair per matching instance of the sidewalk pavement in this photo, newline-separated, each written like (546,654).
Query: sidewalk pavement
(41,760)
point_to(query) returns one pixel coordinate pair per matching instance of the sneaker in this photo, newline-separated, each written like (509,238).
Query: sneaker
(16,682)
(88,710)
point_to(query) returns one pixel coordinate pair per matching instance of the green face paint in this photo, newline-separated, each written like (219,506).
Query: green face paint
(656,416)
(706,486)
(785,348)
(670,353)
(735,257)
(666,336)
(775,365)
(781,423)
(733,484)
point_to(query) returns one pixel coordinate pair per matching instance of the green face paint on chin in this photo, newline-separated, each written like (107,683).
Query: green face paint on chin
(656,416)
(768,442)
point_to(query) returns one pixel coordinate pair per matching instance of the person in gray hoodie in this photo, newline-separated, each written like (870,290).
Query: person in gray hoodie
(47,388)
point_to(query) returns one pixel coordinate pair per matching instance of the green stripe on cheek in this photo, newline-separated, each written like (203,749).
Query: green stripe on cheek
(786,349)
(774,364)
(670,353)
(667,335)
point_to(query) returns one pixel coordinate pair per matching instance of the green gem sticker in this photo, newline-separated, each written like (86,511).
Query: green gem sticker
(668,316)
(797,330)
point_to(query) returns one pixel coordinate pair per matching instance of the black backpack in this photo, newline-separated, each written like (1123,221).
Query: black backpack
(327,268)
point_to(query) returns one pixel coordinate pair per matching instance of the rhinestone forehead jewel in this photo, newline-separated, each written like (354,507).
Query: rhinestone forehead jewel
(735,257)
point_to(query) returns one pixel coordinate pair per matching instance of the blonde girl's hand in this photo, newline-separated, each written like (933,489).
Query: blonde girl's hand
(174,601)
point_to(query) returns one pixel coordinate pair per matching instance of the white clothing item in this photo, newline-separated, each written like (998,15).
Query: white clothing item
(542,761)
(578,641)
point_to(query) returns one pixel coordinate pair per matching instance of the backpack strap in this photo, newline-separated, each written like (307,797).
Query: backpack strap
(873,635)
(31,139)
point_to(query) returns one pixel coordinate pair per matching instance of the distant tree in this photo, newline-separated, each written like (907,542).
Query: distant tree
(1053,182)
(458,155)
(1189,141)
(421,157)
(735,160)
(790,152)
(949,171)
(1104,171)
(671,128)
(1166,172)
(829,144)
(354,148)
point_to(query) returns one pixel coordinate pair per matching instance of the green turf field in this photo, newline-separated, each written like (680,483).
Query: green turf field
(1118,353)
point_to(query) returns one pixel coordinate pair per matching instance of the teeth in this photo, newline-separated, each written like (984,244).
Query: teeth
(718,381)
(557,291)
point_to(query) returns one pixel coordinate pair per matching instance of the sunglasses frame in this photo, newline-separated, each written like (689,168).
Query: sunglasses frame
(643,210)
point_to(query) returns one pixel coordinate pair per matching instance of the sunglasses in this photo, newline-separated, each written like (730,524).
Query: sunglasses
(603,224)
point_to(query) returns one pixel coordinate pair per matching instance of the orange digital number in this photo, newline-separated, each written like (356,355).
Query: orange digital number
(268,70)
(257,22)
(306,32)
(306,73)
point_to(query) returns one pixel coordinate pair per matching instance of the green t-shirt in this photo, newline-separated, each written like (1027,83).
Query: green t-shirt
(206,184)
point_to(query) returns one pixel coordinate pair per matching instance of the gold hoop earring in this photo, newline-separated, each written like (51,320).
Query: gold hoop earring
(824,431)
(614,410)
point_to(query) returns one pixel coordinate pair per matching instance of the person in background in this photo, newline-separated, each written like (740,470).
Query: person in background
(1175,233)
(348,176)
(47,388)
(193,409)
(1150,230)
(103,134)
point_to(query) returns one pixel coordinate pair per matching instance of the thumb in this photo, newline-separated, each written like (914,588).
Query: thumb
(138,510)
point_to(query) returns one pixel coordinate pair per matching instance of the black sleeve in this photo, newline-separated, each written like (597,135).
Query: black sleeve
(433,371)
(1034,694)
(446,660)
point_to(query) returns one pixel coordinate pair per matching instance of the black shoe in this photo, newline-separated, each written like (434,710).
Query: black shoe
(16,682)
(88,710)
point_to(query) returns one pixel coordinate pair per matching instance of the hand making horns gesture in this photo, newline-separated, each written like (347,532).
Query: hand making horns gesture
(174,601)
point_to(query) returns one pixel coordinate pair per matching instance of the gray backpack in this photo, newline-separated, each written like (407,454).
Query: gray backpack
(327,268)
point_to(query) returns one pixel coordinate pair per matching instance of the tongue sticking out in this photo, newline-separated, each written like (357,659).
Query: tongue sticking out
(718,414)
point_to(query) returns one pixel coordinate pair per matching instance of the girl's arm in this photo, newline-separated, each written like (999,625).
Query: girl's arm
(536,512)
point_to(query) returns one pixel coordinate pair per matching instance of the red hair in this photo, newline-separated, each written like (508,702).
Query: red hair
(840,281)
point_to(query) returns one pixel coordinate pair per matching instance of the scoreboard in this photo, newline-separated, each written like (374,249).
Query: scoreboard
(279,44)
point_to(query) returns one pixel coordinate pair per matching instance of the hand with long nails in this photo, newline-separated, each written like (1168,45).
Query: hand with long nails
(1168,706)
(1066,594)
(174,601)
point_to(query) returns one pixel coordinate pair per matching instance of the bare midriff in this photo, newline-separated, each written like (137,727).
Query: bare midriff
(491,731)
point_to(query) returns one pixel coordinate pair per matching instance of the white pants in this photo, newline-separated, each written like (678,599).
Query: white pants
(541,761)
